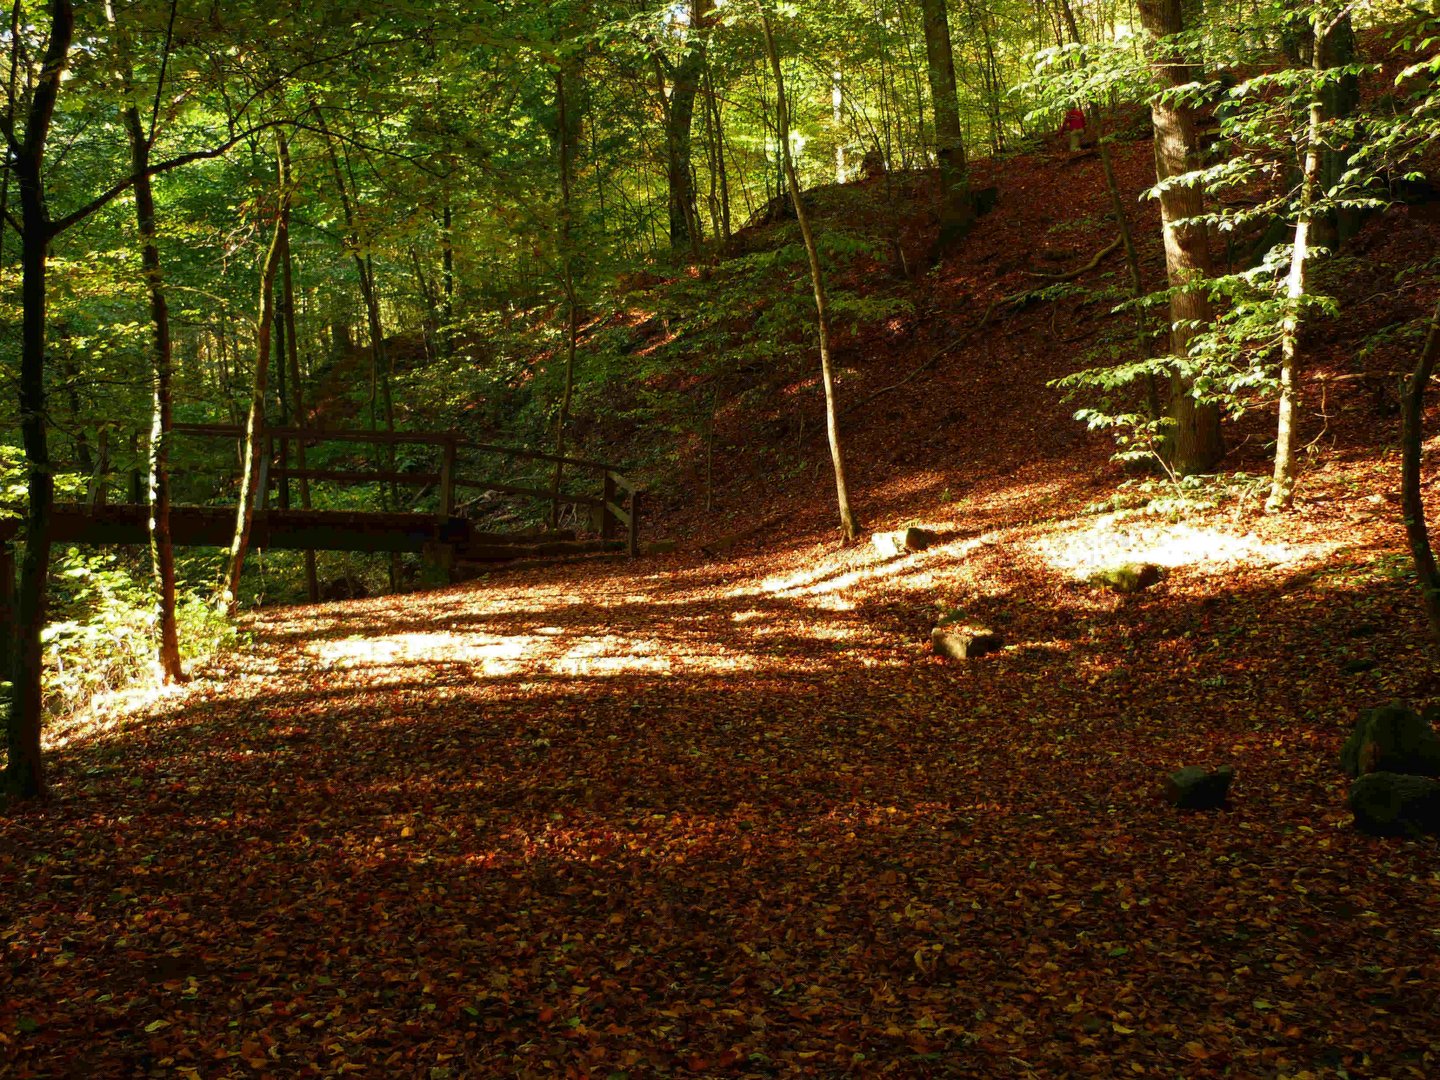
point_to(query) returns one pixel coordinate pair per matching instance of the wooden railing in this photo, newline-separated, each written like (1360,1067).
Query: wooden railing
(616,506)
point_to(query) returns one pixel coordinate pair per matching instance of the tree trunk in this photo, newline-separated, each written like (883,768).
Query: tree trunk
(679,124)
(1412,500)
(1194,443)
(957,214)
(292,341)
(162,548)
(254,426)
(25,768)
(566,139)
(447,279)
(1282,484)
(849,526)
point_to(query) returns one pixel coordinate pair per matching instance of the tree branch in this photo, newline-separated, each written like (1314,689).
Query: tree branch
(120,187)
(1071,275)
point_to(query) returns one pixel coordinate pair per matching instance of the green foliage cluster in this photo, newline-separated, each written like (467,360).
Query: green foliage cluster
(102,632)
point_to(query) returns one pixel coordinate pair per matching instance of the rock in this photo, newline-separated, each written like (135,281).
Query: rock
(1395,804)
(1391,739)
(1359,667)
(661,547)
(1194,788)
(1128,579)
(919,539)
(964,642)
(891,544)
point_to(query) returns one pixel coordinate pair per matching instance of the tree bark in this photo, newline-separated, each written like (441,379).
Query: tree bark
(849,525)
(1412,500)
(957,214)
(25,768)
(447,279)
(1194,443)
(254,426)
(1282,484)
(292,342)
(566,140)
(162,548)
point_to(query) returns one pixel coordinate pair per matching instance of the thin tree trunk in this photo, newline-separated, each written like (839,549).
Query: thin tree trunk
(254,426)
(565,145)
(292,341)
(849,525)
(162,548)
(1412,500)
(1194,443)
(447,279)
(1282,484)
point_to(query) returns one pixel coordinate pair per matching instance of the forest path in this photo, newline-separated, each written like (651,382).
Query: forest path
(730,818)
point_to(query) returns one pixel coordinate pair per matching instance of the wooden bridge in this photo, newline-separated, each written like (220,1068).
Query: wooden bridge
(611,509)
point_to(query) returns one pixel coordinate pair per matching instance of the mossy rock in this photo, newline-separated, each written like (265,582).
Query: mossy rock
(1392,739)
(1128,579)
(1396,804)
(1196,788)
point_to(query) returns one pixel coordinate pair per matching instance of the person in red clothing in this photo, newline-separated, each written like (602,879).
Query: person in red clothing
(1074,126)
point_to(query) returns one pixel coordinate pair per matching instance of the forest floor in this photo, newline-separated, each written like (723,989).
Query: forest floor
(730,817)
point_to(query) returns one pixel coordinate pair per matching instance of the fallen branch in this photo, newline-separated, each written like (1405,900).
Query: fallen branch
(1071,275)
(928,364)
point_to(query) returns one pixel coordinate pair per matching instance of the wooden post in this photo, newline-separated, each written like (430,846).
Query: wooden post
(607,520)
(447,480)
(635,524)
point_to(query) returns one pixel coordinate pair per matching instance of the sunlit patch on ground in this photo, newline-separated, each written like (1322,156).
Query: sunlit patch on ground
(1117,539)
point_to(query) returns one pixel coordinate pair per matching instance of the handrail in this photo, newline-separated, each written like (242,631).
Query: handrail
(613,510)
(418,438)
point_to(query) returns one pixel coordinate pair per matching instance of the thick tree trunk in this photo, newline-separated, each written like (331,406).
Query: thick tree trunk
(849,525)
(679,172)
(25,767)
(1194,443)
(957,213)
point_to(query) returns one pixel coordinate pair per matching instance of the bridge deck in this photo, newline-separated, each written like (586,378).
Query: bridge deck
(299,530)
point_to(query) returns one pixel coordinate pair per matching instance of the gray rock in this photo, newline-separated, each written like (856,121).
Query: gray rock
(964,642)
(1194,788)
(1391,739)
(1395,804)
